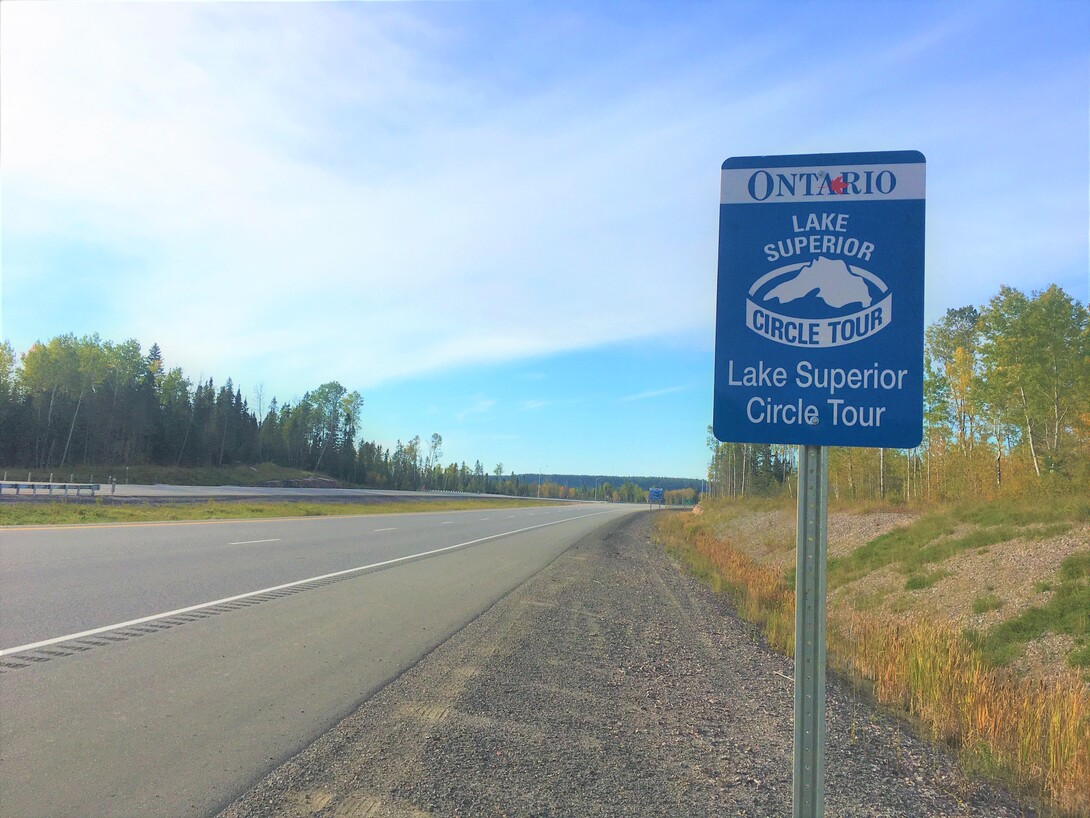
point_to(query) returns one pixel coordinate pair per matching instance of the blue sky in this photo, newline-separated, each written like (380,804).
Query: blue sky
(498,221)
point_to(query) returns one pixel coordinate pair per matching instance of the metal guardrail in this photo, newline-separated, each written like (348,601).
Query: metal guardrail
(60,488)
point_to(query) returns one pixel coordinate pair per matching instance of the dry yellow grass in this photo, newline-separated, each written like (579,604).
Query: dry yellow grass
(1035,731)
(1039,731)
(758,590)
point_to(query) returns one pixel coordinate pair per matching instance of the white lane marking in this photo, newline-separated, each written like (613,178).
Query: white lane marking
(384,529)
(251,542)
(485,518)
(510,516)
(447,522)
(118,626)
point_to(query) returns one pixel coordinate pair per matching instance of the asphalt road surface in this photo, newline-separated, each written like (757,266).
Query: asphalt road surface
(162,669)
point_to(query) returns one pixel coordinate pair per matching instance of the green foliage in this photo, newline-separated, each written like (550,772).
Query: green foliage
(749,469)
(1034,355)
(934,537)
(896,546)
(917,582)
(952,345)
(1023,512)
(629,492)
(1066,612)
(1075,567)
(1079,657)
(987,602)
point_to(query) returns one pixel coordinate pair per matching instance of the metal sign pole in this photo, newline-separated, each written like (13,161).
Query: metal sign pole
(809,756)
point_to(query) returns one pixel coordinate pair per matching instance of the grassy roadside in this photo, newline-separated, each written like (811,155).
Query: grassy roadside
(1034,732)
(234,475)
(60,513)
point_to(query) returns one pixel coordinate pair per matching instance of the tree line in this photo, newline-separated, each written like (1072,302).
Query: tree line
(1006,411)
(76,402)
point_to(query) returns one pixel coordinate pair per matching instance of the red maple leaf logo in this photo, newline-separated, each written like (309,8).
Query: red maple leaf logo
(838,185)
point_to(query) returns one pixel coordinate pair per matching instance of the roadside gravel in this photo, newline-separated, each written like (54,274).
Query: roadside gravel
(610,684)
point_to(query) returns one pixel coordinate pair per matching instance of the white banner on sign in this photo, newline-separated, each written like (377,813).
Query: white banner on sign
(839,183)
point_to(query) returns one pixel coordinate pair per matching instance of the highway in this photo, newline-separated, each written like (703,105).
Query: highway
(162,668)
(272,494)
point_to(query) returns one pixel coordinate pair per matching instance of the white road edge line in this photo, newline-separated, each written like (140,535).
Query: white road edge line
(118,626)
(384,529)
(251,542)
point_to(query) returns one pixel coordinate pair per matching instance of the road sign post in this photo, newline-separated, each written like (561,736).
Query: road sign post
(819,342)
(809,753)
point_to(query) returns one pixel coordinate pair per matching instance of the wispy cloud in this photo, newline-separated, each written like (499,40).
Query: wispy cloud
(654,393)
(479,407)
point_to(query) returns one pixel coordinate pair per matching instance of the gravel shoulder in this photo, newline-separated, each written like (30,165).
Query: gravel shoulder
(610,684)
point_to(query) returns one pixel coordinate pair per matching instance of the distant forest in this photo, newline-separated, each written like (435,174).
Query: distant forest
(1006,412)
(89,402)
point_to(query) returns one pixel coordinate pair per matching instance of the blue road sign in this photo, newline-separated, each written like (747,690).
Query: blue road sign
(654,496)
(819,316)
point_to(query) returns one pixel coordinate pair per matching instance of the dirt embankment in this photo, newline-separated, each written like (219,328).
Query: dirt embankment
(1013,572)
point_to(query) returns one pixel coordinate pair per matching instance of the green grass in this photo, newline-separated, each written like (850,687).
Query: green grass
(919,581)
(1075,567)
(1066,612)
(1023,512)
(890,548)
(1080,657)
(60,513)
(987,602)
(931,539)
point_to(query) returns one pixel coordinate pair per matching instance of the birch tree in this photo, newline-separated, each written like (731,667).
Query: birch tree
(1036,356)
